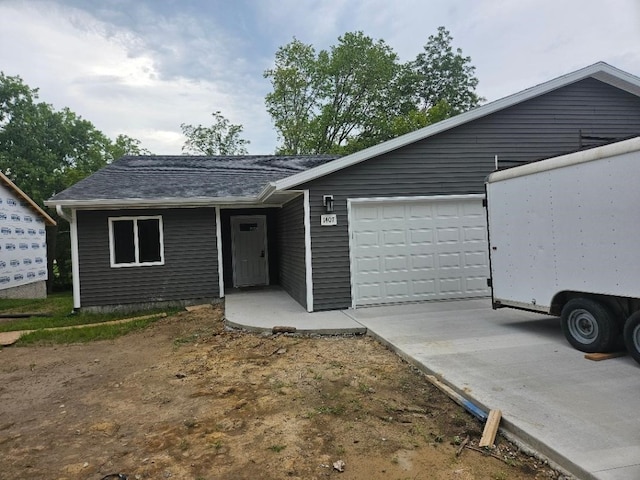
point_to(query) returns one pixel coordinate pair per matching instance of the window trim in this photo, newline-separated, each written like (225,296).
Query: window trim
(137,263)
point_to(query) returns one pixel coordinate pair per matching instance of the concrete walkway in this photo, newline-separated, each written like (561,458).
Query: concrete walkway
(580,414)
(261,310)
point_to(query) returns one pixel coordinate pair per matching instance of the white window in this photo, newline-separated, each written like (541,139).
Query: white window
(136,241)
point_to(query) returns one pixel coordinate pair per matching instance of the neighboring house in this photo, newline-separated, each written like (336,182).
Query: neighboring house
(23,244)
(402,221)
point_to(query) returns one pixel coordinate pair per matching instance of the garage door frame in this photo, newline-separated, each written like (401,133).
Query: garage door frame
(351,202)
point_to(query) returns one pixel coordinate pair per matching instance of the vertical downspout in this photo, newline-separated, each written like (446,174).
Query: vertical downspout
(219,247)
(307,251)
(75,266)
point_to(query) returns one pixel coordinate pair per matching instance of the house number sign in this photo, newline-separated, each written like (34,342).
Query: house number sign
(328,220)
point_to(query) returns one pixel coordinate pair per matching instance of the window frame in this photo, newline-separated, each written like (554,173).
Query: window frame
(136,246)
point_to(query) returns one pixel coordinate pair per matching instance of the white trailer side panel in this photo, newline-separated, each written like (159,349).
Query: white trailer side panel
(576,228)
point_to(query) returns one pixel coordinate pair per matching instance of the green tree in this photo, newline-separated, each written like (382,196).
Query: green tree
(357,93)
(322,102)
(221,138)
(126,145)
(445,79)
(295,100)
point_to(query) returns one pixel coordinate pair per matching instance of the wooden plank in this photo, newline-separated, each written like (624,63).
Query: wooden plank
(195,308)
(596,357)
(490,428)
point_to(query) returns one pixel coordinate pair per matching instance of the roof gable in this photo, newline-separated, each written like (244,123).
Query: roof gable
(31,204)
(600,71)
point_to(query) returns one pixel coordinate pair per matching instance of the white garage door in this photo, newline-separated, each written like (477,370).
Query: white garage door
(415,250)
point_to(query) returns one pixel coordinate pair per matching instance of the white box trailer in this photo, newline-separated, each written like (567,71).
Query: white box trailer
(564,239)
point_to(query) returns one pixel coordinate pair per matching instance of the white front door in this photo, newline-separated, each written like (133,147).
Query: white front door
(418,249)
(249,247)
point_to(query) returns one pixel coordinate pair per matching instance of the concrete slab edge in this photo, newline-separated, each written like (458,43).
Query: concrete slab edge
(523,440)
(300,331)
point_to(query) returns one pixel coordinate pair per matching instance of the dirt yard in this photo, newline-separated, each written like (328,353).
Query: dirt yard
(185,399)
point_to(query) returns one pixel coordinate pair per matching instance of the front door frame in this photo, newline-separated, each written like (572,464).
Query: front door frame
(235,221)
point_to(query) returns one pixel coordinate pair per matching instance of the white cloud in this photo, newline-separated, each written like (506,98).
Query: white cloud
(111,77)
(142,68)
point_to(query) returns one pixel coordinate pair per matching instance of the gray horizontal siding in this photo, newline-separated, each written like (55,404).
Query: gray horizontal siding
(458,161)
(190,270)
(291,248)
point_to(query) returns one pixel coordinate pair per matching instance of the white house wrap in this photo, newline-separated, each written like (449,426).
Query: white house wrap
(23,240)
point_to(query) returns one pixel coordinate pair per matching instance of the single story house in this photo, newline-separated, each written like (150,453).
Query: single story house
(402,221)
(23,243)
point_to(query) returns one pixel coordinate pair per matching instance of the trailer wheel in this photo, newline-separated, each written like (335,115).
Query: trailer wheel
(632,336)
(589,326)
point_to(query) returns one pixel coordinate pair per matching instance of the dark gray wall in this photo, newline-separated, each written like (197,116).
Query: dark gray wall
(190,271)
(457,162)
(291,249)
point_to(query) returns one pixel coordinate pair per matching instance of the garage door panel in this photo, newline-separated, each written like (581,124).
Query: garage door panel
(394,238)
(476,284)
(397,263)
(391,212)
(370,292)
(447,210)
(448,235)
(474,234)
(475,259)
(423,261)
(368,265)
(405,251)
(421,236)
(366,239)
(424,288)
(449,260)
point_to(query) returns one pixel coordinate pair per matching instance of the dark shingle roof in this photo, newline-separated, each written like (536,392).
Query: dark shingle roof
(154,177)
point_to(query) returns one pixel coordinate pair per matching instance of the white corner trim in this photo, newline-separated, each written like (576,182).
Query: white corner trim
(75,266)
(351,251)
(219,248)
(307,251)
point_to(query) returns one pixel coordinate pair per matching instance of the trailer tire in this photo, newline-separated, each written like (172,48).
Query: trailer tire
(589,326)
(632,336)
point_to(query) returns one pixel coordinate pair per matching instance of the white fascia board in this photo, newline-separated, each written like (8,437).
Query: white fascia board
(584,156)
(151,203)
(266,192)
(601,71)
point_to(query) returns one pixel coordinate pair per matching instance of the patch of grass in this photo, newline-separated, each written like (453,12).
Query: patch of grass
(331,410)
(277,448)
(190,423)
(365,389)
(83,335)
(57,311)
(217,445)
(57,304)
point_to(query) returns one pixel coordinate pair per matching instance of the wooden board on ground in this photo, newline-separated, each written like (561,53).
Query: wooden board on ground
(193,308)
(596,357)
(490,428)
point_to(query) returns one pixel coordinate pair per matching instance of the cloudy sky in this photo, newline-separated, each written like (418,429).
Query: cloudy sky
(143,67)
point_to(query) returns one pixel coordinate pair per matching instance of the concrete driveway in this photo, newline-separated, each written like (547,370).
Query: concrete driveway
(581,414)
